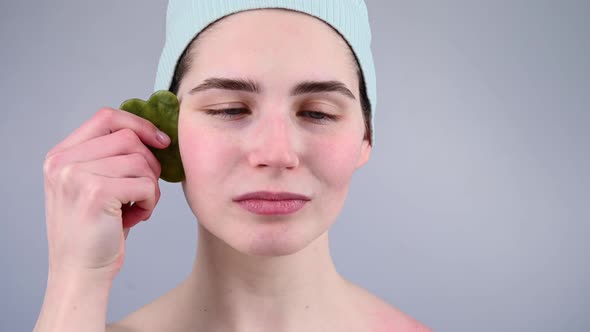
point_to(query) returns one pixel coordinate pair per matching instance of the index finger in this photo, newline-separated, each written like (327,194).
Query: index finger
(108,120)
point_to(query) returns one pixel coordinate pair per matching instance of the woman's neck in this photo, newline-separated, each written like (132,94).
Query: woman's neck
(280,293)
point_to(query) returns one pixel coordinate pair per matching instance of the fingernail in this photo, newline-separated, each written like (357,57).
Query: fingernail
(162,137)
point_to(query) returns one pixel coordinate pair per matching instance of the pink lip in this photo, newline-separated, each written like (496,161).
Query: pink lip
(269,203)
(271,196)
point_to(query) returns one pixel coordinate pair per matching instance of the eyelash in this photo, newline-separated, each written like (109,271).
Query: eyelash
(224,115)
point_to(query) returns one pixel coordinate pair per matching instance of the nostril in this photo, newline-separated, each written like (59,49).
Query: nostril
(277,159)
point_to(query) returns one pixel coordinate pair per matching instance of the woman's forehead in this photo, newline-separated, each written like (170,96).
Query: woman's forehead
(273,43)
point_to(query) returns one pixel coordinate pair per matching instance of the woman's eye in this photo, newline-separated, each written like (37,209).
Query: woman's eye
(233,113)
(227,113)
(318,116)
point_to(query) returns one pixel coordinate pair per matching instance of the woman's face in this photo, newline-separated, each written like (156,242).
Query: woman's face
(275,138)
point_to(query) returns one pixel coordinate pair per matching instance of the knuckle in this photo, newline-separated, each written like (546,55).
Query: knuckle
(150,184)
(158,166)
(94,190)
(68,179)
(140,164)
(50,153)
(153,184)
(106,114)
(128,136)
(67,174)
(53,167)
(50,165)
(136,158)
(159,171)
(150,159)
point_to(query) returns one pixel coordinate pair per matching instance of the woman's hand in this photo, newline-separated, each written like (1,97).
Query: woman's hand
(92,179)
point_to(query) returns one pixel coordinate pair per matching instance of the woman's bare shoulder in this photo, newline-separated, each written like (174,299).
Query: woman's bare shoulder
(383,316)
(142,320)
(153,316)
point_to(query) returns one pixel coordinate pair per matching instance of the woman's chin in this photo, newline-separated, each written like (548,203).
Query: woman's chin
(264,236)
(259,241)
(271,244)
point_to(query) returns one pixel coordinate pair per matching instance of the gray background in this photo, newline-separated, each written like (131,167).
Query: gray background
(472,214)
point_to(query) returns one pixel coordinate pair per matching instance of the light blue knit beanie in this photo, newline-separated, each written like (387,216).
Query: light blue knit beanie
(186,18)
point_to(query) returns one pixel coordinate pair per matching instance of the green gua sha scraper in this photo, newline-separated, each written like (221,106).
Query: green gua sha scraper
(161,109)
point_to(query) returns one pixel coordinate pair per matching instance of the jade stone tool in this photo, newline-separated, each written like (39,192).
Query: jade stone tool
(161,109)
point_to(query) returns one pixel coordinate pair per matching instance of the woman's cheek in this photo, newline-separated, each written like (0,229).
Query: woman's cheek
(337,159)
(195,147)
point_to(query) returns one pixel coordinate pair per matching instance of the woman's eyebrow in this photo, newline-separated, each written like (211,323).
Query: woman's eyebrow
(238,84)
(322,86)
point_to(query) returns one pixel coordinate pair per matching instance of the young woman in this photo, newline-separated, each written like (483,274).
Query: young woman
(275,117)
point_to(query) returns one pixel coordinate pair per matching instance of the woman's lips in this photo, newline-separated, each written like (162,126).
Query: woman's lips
(272,203)
(274,207)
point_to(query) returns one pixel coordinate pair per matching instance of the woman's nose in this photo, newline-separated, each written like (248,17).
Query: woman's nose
(273,143)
